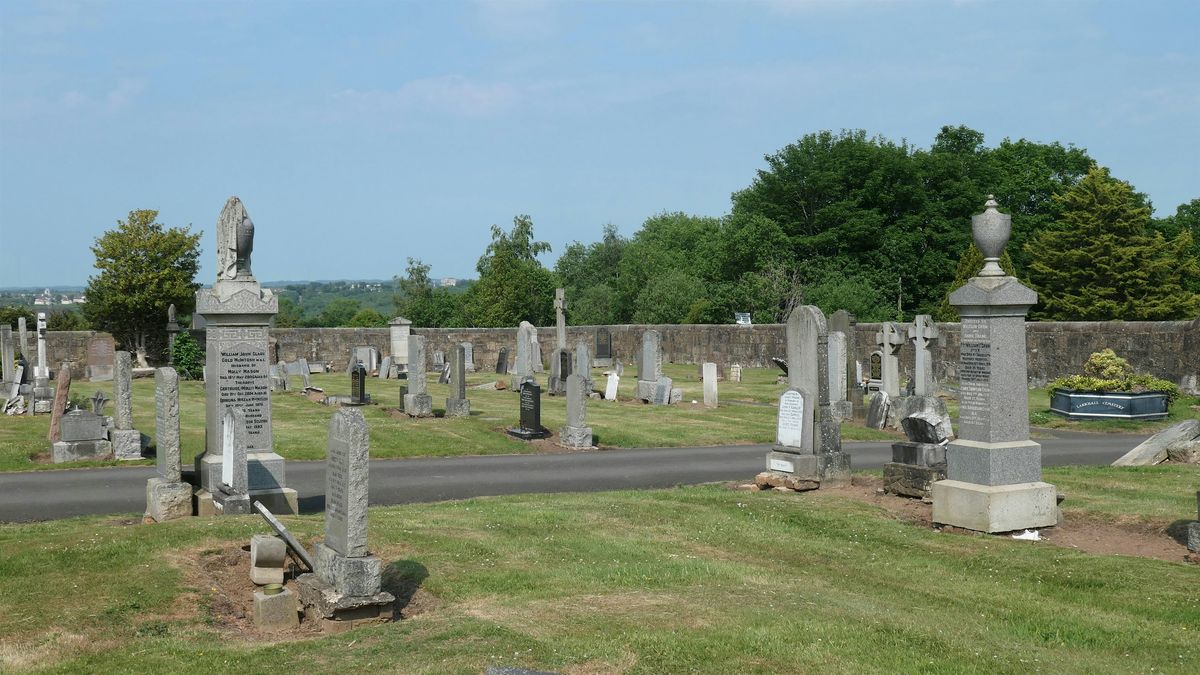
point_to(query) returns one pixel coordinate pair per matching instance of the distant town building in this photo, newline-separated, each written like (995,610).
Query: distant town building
(448,282)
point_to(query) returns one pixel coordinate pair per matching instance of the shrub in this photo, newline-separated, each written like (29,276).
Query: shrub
(188,358)
(1105,371)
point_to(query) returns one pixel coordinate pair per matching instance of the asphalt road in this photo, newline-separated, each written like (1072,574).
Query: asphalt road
(48,495)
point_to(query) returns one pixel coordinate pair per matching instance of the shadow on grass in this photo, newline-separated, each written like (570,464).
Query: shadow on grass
(1178,531)
(402,579)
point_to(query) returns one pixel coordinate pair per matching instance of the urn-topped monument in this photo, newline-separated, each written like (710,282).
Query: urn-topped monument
(237,312)
(993,470)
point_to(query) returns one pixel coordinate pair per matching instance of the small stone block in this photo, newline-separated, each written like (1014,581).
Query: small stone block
(74,451)
(994,508)
(167,500)
(349,576)
(645,390)
(203,504)
(275,612)
(233,505)
(575,437)
(1193,538)
(127,443)
(774,479)
(458,407)
(418,405)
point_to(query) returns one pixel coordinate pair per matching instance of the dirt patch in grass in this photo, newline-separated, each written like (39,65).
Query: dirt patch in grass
(1079,531)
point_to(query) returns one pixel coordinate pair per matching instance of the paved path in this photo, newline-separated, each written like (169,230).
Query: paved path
(47,495)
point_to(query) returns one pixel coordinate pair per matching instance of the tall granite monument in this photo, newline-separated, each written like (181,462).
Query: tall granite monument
(237,312)
(993,470)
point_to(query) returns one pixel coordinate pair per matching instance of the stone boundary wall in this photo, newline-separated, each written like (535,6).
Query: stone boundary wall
(1167,349)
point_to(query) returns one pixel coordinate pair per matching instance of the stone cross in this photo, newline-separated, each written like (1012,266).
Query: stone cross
(166,423)
(560,318)
(923,332)
(710,385)
(890,340)
(42,370)
(98,400)
(347,471)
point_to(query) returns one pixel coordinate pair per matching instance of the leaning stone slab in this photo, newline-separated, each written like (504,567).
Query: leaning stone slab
(283,532)
(877,410)
(1153,450)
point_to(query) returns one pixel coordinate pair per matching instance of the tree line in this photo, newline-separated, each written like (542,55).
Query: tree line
(838,220)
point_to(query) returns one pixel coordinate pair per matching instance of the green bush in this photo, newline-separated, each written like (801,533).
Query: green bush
(188,358)
(1105,371)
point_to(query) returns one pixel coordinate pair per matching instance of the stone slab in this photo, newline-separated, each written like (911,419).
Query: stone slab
(168,500)
(458,407)
(999,508)
(919,454)
(418,405)
(322,601)
(1153,450)
(645,390)
(276,612)
(347,474)
(994,463)
(74,451)
(877,410)
(360,575)
(776,479)
(908,480)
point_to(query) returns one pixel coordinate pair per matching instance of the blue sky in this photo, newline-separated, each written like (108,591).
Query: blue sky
(361,133)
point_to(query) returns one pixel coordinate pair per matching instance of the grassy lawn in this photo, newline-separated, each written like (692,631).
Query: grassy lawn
(300,426)
(693,579)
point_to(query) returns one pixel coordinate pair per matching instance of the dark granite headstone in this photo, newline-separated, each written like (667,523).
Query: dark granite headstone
(358,384)
(530,426)
(502,361)
(603,343)
(876,366)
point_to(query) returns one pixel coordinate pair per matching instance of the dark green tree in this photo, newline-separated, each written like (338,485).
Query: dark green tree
(143,267)
(968,266)
(187,356)
(367,318)
(338,312)
(289,315)
(513,284)
(1102,262)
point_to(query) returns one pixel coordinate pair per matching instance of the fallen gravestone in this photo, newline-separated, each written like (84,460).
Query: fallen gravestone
(920,461)
(1153,450)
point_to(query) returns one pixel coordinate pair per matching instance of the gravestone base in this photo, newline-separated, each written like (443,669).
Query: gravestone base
(279,501)
(42,406)
(528,434)
(275,612)
(995,508)
(336,612)
(602,363)
(166,500)
(266,471)
(418,405)
(100,373)
(994,463)
(458,407)
(841,410)
(910,480)
(919,454)
(74,451)
(354,576)
(232,505)
(827,470)
(645,390)
(202,504)
(126,443)
(575,437)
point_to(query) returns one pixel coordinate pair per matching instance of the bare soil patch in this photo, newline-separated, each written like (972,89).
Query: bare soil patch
(1133,537)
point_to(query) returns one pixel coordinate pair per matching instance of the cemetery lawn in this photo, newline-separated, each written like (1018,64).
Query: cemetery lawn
(746,415)
(702,579)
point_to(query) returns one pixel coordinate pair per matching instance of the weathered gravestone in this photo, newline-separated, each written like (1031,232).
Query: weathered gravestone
(444,373)
(583,366)
(7,354)
(650,366)
(535,353)
(920,461)
(530,425)
(923,332)
(735,373)
(793,444)
(844,322)
(417,402)
(167,496)
(890,340)
(560,368)
(62,391)
(842,408)
(1193,533)
(385,368)
(101,355)
(358,385)
(23,336)
(523,367)
(877,410)
(468,357)
(994,471)
(603,347)
(399,330)
(710,385)
(611,386)
(823,462)
(237,313)
(662,391)
(346,586)
(875,374)
(279,379)
(81,436)
(457,403)
(368,356)
(502,361)
(439,359)
(560,319)
(172,332)
(126,441)
(233,492)
(576,433)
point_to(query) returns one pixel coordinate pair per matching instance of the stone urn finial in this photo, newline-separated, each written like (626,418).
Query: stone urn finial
(991,230)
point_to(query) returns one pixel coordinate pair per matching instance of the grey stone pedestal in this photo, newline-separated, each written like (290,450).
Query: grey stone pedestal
(458,407)
(167,500)
(74,451)
(418,405)
(127,444)
(575,437)
(275,612)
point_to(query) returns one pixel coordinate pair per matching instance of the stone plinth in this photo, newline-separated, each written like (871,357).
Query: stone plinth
(999,508)
(275,612)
